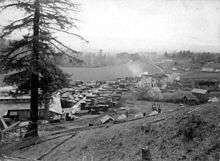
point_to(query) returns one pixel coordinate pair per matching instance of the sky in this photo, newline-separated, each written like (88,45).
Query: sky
(147,25)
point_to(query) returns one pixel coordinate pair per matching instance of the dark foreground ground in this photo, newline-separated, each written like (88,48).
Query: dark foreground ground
(186,133)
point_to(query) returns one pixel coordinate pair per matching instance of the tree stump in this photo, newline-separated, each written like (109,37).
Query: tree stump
(145,152)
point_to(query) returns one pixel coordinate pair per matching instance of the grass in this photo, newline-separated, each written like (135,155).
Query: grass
(109,72)
(198,140)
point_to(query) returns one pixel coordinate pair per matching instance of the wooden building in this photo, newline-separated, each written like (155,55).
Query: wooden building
(203,80)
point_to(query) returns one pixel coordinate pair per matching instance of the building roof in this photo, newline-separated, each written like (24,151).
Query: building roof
(7,88)
(200,91)
(201,75)
(106,118)
(14,98)
(159,75)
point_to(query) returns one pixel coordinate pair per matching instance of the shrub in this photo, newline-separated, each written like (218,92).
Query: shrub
(192,128)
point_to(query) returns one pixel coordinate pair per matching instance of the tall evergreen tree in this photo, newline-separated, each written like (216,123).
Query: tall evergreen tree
(29,60)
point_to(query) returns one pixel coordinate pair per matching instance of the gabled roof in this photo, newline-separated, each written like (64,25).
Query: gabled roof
(106,118)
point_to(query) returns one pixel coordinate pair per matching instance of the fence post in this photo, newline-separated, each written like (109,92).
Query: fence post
(2,136)
(3,123)
(145,152)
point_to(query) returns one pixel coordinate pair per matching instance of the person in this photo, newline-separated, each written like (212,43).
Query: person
(154,107)
(68,118)
(159,109)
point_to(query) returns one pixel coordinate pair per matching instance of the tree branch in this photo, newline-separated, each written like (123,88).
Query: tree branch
(19,5)
(22,19)
(74,51)
(19,53)
(70,33)
(11,28)
(17,45)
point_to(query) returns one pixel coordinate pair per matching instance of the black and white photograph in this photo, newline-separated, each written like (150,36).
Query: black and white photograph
(109,80)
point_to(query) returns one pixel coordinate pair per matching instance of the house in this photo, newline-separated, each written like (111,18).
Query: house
(174,69)
(201,94)
(24,114)
(106,119)
(122,117)
(203,80)
(207,69)
(5,90)
(139,115)
(181,96)
(199,91)
(173,77)
(211,67)
(153,80)
(147,81)
(162,80)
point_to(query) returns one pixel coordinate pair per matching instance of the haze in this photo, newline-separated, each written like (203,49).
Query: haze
(148,25)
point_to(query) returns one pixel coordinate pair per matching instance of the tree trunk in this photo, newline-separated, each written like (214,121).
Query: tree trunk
(33,129)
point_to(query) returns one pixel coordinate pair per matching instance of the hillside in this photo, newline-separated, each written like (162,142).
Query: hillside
(190,133)
(189,137)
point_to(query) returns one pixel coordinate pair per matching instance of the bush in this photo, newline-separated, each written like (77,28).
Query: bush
(151,94)
(192,128)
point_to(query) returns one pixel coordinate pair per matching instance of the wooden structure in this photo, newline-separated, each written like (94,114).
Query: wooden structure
(203,80)
(24,114)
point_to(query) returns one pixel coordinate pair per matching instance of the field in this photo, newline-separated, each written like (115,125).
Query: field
(110,72)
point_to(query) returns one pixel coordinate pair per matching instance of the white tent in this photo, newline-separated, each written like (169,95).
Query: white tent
(77,106)
(55,104)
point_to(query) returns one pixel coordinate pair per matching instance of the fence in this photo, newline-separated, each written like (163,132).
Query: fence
(13,134)
(16,133)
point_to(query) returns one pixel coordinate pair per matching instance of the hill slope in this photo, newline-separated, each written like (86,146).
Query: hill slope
(192,133)
(190,137)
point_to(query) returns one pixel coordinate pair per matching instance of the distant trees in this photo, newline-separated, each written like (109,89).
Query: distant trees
(179,55)
(218,59)
(68,61)
(196,58)
(29,60)
(166,54)
(203,58)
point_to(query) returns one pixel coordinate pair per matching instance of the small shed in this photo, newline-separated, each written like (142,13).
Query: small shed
(106,119)
(139,115)
(199,91)
(122,117)
(201,94)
